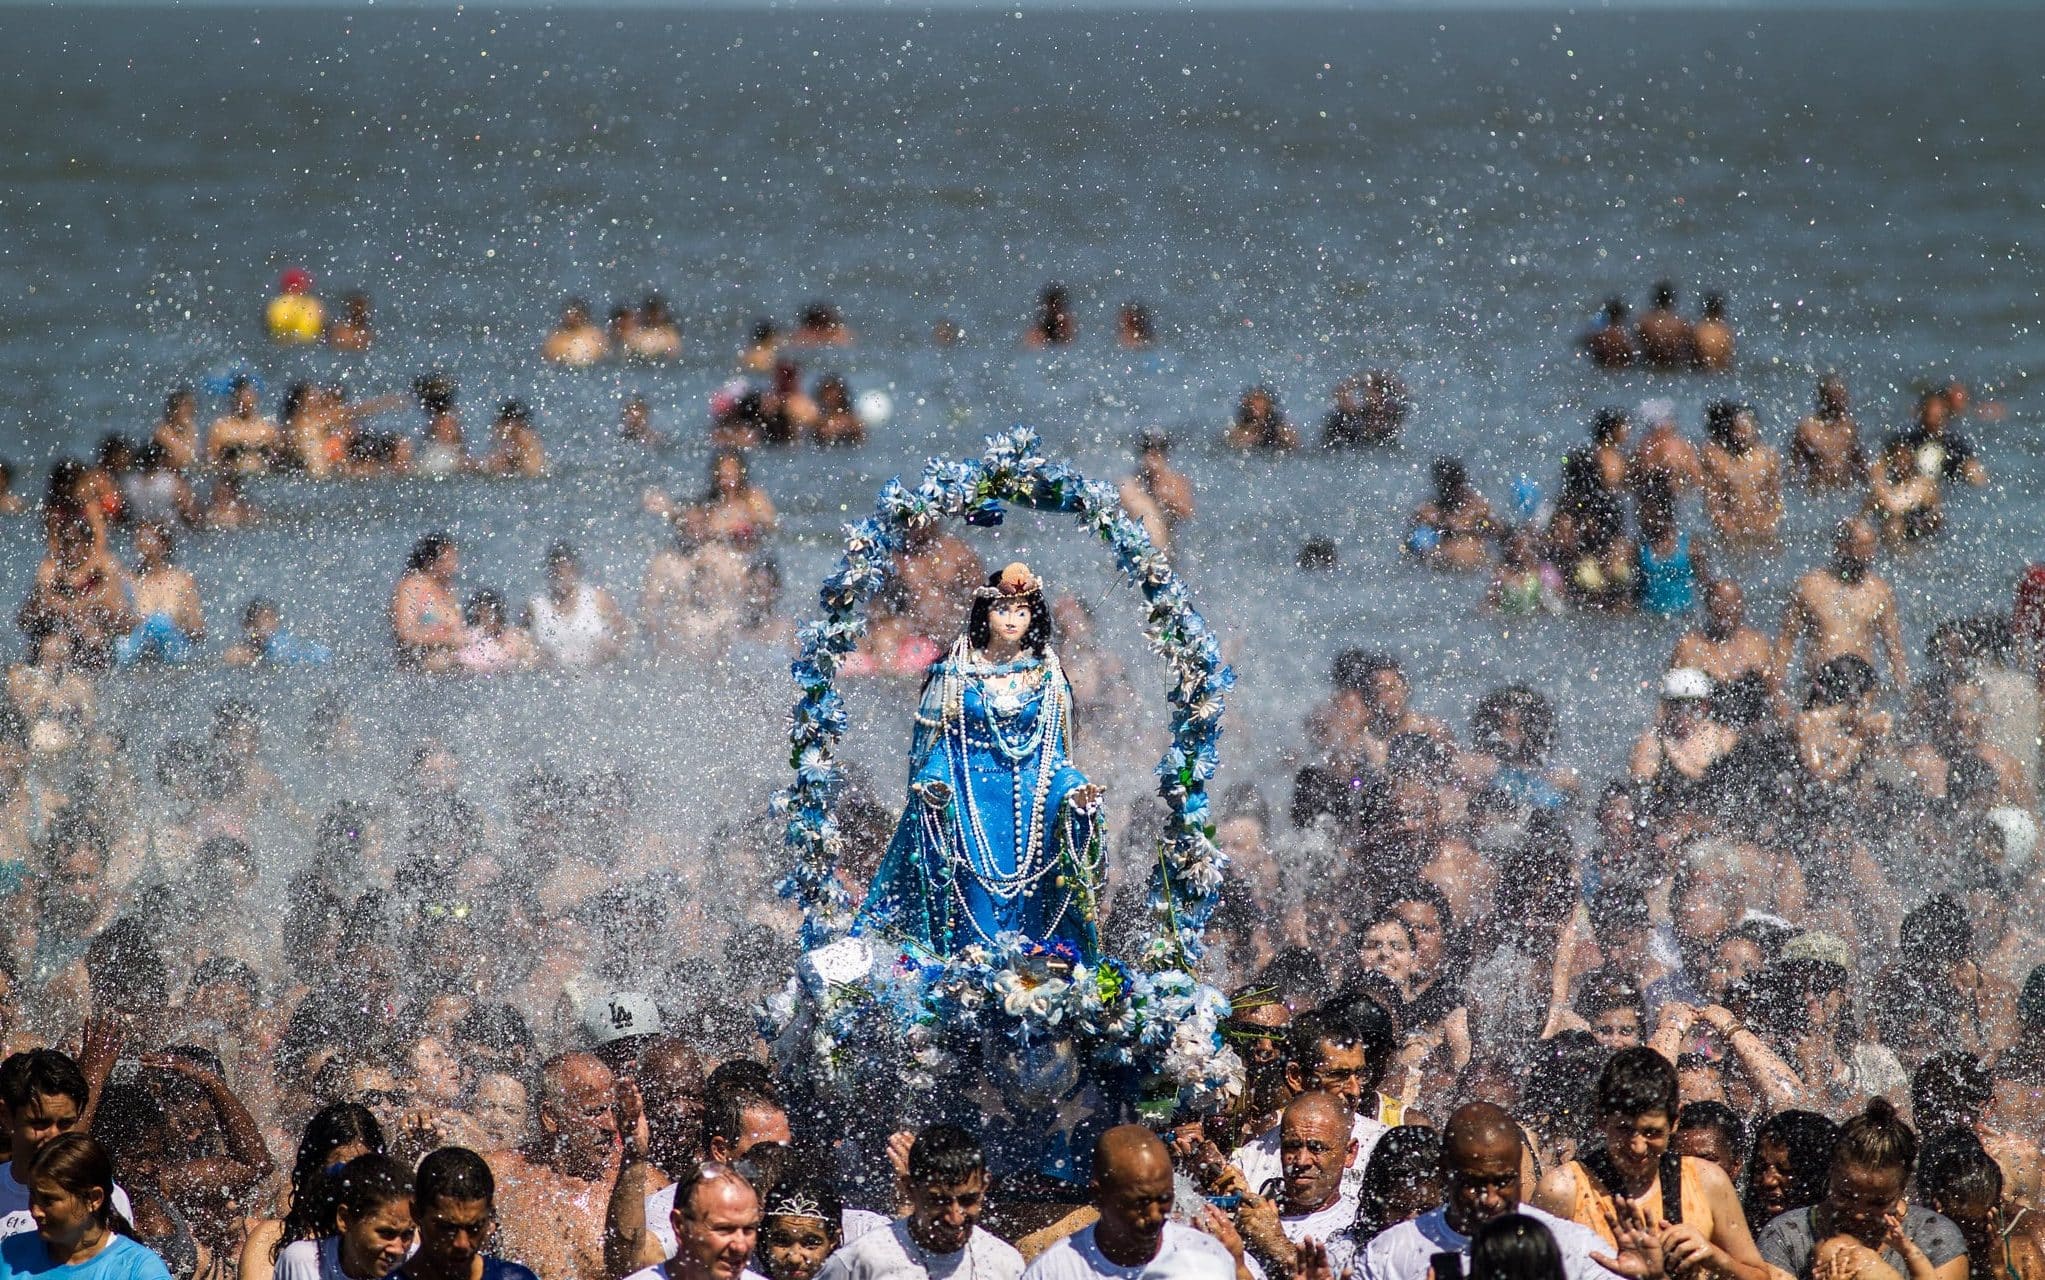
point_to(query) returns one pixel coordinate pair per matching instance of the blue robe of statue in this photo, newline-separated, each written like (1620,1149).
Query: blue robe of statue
(988,842)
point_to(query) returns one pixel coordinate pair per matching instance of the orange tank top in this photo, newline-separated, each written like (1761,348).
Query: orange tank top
(1595,1203)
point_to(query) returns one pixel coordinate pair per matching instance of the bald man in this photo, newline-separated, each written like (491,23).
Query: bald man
(551,1193)
(1480,1164)
(1135,1238)
(1316,1147)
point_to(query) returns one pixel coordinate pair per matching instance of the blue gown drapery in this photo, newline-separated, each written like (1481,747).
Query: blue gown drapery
(1004,851)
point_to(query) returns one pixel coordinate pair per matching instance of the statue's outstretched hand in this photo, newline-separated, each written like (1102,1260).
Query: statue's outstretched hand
(935,794)
(1087,798)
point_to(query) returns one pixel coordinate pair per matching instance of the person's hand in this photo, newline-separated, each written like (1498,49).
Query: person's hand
(1679,1016)
(1230,1182)
(1310,1262)
(421,1130)
(1720,1019)
(1684,1249)
(630,1109)
(1895,1237)
(1639,1248)
(99,1048)
(1216,1223)
(1257,1219)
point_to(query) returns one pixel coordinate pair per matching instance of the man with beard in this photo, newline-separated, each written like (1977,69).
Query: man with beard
(1844,608)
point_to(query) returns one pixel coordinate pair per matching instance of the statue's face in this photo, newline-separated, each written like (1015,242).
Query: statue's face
(1009,620)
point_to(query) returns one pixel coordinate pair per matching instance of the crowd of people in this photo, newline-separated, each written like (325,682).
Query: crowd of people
(1768,1002)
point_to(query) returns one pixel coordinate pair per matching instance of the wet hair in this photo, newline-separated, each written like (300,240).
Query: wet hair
(725,1110)
(1950,1090)
(313,1193)
(42,1073)
(1720,417)
(1665,293)
(1555,1092)
(1809,1138)
(1354,668)
(1714,306)
(1957,1169)
(426,550)
(1618,907)
(744,1074)
(764,331)
(1603,990)
(944,1155)
(498,1028)
(369,1182)
(454,1173)
(1515,1246)
(1425,891)
(1936,931)
(1615,310)
(1536,716)
(717,461)
(435,392)
(1451,479)
(79,1164)
(1607,424)
(980,625)
(1877,1138)
(562,553)
(1349,1019)
(228,971)
(1407,1156)
(1318,552)
(1637,1082)
(1846,678)
(1709,1113)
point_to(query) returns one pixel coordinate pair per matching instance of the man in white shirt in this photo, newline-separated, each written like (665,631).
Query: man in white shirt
(716,1221)
(43,1095)
(941,1238)
(1334,1056)
(1134,1239)
(1481,1166)
(1316,1149)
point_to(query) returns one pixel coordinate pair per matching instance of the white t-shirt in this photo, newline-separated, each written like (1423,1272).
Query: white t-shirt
(14,1215)
(1330,1226)
(660,1207)
(894,1255)
(1259,1161)
(659,1272)
(310,1260)
(1406,1252)
(1184,1254)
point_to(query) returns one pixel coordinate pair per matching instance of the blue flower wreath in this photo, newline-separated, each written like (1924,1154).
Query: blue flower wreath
(1150,1013)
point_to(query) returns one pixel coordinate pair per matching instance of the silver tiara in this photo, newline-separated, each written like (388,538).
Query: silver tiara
(797,1204)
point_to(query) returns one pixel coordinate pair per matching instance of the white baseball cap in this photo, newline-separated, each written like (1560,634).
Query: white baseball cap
(621,1014)
(1686,682)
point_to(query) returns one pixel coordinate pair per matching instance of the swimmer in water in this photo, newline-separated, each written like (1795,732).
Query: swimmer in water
(295,315)
(265,643)
(837,423)
(243,440)
(1260,423)
(1826,452)
(1662,336)
(1903,496)
(1610,346)
(1369,410)
(1157,494)
(516,451)
(1724,647)
(1742,477)
(1452,531)
(1524,583)
(1663,456)
(1711,339)
(427,630)
(577,341)
(352,332)
(11,503)
(167,597)
(178,429)
(656,335)
(1054,325)
(635,424)
(762,349)
(820,325)
(1942,453)
(1134,330)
